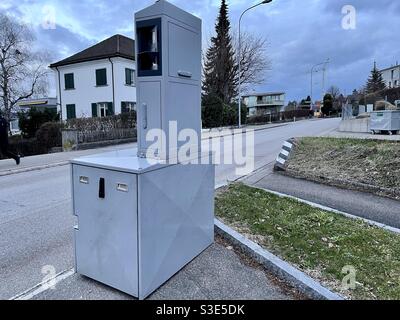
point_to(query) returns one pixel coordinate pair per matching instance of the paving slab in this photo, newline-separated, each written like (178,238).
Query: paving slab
(218,273)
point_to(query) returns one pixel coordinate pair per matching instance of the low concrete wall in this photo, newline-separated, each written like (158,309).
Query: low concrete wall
(355,125)
(69,139)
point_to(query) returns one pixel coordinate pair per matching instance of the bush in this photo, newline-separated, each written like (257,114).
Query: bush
(212,111)
(30,121)
(215,113)
(49,135)
(328,104)
(120,121)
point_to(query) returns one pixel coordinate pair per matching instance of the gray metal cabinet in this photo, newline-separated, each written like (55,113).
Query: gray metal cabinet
(150,223)
(385,120)
(106,247)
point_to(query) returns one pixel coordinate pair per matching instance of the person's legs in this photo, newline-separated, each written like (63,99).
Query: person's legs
(13,156)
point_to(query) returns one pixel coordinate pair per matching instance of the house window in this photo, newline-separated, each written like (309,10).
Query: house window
(392,74)
(71,111)
(396,83)
(69,81)
(102,109)
(128,106)
(129,77)
(101,77)
(390,84)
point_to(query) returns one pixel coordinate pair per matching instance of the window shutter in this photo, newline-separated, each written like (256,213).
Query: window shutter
(94,110)
(69,81)
(71,111)
(101,77)
(110,109)
(123,107)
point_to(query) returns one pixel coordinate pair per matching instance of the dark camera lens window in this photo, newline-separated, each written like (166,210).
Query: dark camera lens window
(149,47)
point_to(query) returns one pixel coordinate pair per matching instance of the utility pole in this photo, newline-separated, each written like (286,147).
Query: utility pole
(323,78)
(312,74)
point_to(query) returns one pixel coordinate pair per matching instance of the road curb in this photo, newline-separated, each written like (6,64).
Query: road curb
(277,266)
(243,130)
(36,168)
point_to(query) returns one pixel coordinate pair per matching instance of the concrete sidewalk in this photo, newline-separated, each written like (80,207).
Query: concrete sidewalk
(217,274)
(365,205)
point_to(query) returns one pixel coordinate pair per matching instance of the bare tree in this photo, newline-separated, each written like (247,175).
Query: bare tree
(23,72)
(334,92)
(254,59)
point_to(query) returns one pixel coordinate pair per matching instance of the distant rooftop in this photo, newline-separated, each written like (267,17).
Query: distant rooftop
(115,46)
(392,67)
(49,101)
(256,94)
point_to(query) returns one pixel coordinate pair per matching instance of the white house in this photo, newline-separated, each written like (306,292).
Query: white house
(264,103)
(391,76)
(97,81)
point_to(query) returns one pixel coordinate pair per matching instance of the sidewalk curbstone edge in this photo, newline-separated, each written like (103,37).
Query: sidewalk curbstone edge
(277,266)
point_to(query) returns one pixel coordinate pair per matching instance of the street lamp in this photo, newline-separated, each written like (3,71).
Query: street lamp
(239,58)
(312,73)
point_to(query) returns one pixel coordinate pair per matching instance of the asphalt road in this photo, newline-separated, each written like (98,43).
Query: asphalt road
(35,211)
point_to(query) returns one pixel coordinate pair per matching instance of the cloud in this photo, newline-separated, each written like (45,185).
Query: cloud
(300,33)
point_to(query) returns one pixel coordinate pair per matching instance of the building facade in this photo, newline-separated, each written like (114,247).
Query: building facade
(98,81)
(391,76)
(264,103)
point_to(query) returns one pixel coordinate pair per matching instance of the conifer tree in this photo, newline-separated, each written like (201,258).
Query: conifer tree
(375,83)
(220,67)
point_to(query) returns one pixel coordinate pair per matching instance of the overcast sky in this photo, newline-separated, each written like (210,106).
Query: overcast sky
(300,34)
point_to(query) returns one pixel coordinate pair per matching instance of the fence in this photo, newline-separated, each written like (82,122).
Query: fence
(114,134)
(347,112)
(73,139)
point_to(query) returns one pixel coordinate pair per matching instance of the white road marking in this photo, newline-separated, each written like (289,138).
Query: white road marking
(43,286)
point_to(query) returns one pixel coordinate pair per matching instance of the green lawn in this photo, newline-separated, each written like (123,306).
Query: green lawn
(371,162)
(318,242)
